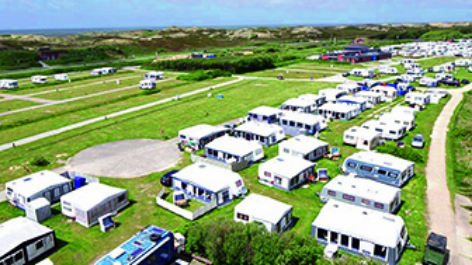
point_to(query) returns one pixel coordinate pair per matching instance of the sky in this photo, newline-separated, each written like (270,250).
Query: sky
(53,14)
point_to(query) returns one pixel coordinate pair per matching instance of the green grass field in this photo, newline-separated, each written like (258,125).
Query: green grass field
(427,63)
(14,104)
(21,125)
(316,74)
(239,98)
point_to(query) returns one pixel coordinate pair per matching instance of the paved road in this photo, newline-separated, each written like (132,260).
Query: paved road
(126,159)
(101,118)
(2,196)
(7,97)
(442,218)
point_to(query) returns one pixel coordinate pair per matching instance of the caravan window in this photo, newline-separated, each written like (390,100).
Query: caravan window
(355,243)
(243,217)
(382,172)
(57,192)
(19,256)
(380,251)
(121,198)
(379,205)
(286,150)
(292,123)
(348,197)
(307,127)
(345,240)
(39,244)
(403,232)
(278,180)
(366,168)
(378,130)
(351,165)
(300,125)
(393,175)
(334,237)
(65,188)
(322,234)
(284,122)
(267,174)
(365,202)
(239,183)
(392,132)
(332,193)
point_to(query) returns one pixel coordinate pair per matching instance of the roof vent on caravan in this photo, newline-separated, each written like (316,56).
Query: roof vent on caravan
(364,213)
(154,237)
(27,179)
(280,159)
(202,166)
(353,186)
(389,219)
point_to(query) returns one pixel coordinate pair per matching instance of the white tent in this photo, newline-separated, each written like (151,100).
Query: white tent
(89,203)
(199,135)
(305,147)
(262,133)
(338,111)
(274,215)
(362,138)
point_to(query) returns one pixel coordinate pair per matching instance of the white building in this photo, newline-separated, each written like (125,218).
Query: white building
(363,192)
(92,201)
(376,235)
(275,216)
(285,172)
(262,133)
(23,241)
(44,184)
(198,136)
(305,147)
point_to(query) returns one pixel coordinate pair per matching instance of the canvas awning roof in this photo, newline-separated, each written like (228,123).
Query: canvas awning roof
(36,182)
(340,108)
(234,146)
(297,102)
(265,111)
(91,195)
(303,144)
(300,117)
(263,208)
(261,129)
(202,130)
(18,230)
(287,166)
(374,226)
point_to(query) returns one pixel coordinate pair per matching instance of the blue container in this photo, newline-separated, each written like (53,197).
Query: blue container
(79,182)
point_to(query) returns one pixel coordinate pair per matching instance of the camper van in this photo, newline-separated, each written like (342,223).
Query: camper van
(364,193)
(147,84)
(37,79)
(362,138)
(368,233)
(61,77)
(8,84)
(154,75)
(43,184)
(389,130)
(380,167)
(366,73)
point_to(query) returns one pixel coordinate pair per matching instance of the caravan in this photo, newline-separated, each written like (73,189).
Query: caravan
(389,130)
(366,73)
(8,84)
(39,79)
(294,123)
(361,103)
(198,136)
(350,88)
(298,105)
(230,150)
(428,82)
(418,99)
(372,97)
(262,133)
(285,172)
(61,77)
(388,70)
(305,147)
(380,167)
(407,120)
(332,94)
(265,114)
(154,76)
(361,138)
(147,84)
(338,111)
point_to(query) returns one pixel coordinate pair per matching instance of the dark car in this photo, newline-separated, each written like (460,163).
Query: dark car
(280,77)
(166,180)
(465,81)
(435,251)
(451,82)
(346,74)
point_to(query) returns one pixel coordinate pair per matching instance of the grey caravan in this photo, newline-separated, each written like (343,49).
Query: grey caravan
(360,231)
(364,193)
(383,168)
(44,184)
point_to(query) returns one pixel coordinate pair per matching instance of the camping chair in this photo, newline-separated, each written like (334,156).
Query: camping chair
(334,154)
(323,175)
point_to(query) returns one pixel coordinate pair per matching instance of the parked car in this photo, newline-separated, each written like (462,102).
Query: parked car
(280,77)
(451,82)
(166,180)
(465,81)
(435,251)
(418,141)
(346,74)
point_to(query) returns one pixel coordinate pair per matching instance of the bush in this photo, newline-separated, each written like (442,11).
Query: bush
(18,59)
(405,153)
(40,161)
(203,75)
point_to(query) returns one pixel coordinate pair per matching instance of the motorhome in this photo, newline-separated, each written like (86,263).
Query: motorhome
(368,233)
(361,138)
(380,167)
(285,172)
(364,193)
(389,130)
(275,216)
(8,84)
(147,84)
(366,73)
(262,133)
(39,79)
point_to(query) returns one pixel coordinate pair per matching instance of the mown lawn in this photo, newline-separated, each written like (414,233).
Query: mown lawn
(28,123)
(85,245)
(427,63)
(14,104)
(315,74)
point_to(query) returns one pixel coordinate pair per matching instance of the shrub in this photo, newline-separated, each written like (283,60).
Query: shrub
(40,161)
(405,153)
(203,75)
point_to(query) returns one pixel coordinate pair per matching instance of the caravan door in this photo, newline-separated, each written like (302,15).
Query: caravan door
(367,248)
